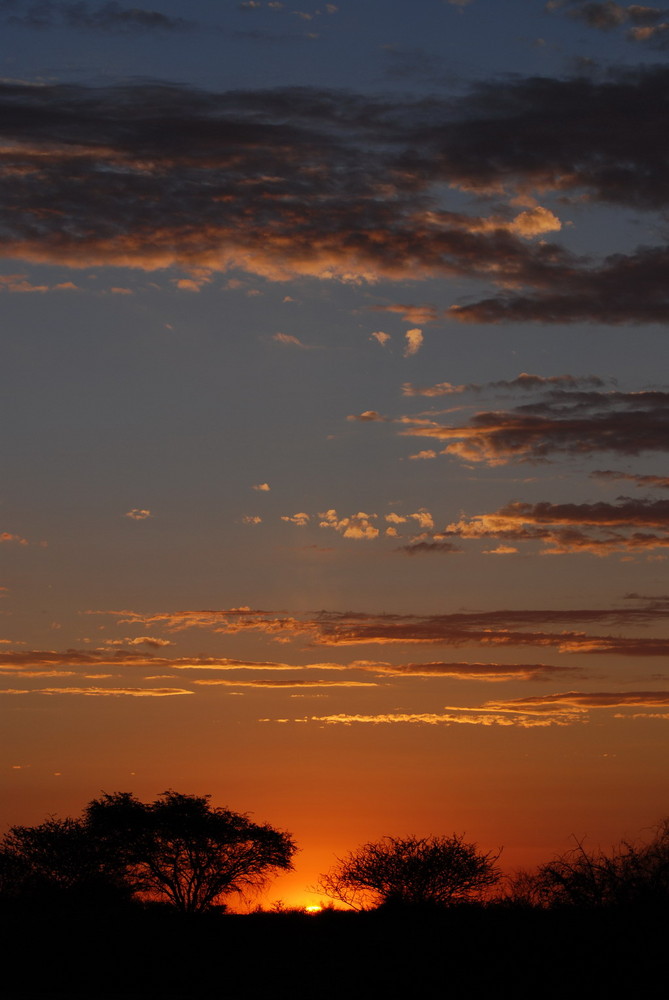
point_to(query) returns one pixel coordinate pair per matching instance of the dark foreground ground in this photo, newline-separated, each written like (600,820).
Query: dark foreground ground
(467,951)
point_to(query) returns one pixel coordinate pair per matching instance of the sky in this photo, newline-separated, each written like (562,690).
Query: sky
(335,416)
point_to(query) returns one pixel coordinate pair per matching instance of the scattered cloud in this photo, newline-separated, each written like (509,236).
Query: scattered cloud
(414,341)
(301,520)
(288,340)
(262,487)
(523,381)
(563,422)
(98,692)
(106,17)
(380,337)
(9,536)
(356,526)
(138,514)
(251,519)
(653,482)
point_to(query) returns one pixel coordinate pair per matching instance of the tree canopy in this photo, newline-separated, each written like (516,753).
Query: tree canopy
(178,848)
(411,871)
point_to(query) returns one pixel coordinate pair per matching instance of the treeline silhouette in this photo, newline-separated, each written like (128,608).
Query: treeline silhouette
(129,901)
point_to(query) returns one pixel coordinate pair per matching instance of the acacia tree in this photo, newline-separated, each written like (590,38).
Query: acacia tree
(411,871)
(178,848)
(182,849)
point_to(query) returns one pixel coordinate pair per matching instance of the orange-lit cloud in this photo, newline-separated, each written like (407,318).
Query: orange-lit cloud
(599,528)
(296,183)
(98,692)
(414,341)
(380,337)
(355,526)
(468,717)
(9,536)
(295,683)
(468,671)
(301,520)
(138,514)
(522,628)
(262,487)
(564,422)
(654,482)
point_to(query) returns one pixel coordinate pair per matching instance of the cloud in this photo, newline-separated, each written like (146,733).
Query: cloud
(646,22)
(468,671)
(655,482)
(414,342)
(140,640)
(110,16)
(356,526)
(564,422)
(138,514)
(411,314)
(524,381)
(597,528)
(251,519)
(499,629)
(381,337)
(9,536)
(288,340)
(583,700)
(367,416)
(295,683)
(458,717)
(262,487)
(98,692)
(342,186)
(301,520)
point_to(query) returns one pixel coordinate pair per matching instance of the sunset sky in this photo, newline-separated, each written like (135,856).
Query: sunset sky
(335,416)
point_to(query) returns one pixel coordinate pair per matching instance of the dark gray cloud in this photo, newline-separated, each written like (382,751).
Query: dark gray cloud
(330,184)
(563,422)
(110,16)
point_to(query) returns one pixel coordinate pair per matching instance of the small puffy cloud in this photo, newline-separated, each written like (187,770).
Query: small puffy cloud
(367,416)
(251,519)
(534,222)
(423,517)
(288,340)
(381,337)
(9,536)
(356,526)
(138,514)
(301,519)
(414,341)
(261,487)
(428,453)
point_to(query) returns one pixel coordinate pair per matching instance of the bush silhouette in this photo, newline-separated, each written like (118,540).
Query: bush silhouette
(411,871)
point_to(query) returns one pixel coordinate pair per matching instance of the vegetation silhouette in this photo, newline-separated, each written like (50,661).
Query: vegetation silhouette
(179,849)
(411,871)
(630,875)
(95,926)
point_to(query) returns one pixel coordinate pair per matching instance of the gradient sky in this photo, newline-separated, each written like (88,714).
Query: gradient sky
(334,378)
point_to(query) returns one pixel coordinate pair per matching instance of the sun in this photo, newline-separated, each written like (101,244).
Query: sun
(313,909)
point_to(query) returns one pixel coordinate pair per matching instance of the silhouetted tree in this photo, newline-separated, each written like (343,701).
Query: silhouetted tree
(630,875)
(58,858)
(178,848)
(182,849)
(411,871)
